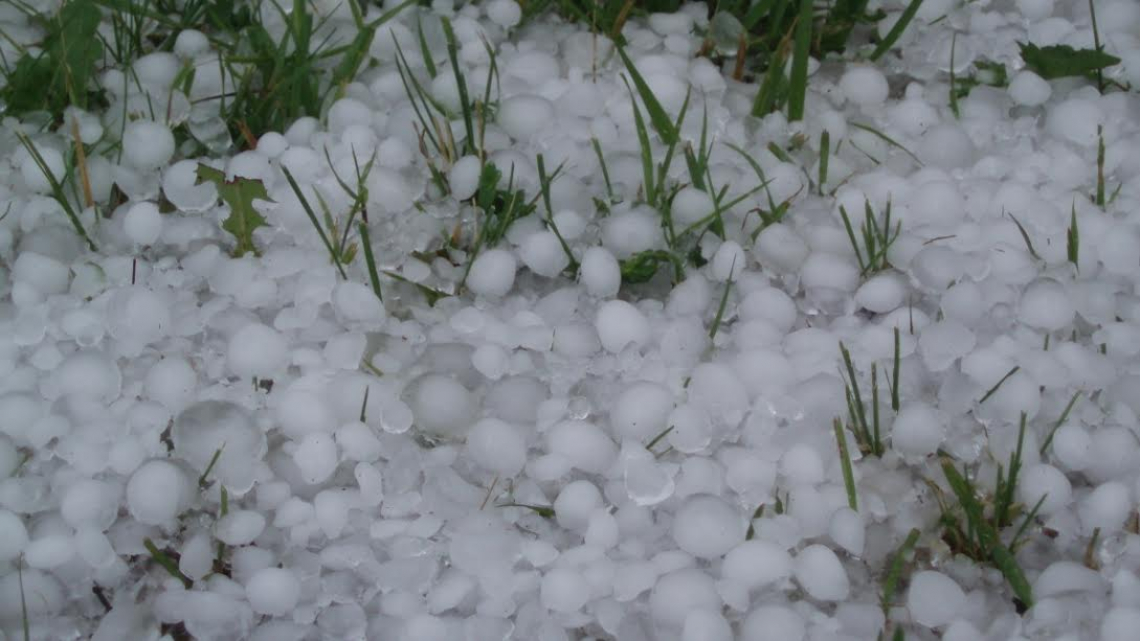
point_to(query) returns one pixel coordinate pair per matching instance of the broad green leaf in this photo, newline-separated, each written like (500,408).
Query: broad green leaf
(1062,61)
(239,194)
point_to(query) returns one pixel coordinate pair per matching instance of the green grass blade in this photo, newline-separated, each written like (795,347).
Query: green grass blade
(605,171)
(863,265)
(657,115)
(1073,240)
(370,258)
(461,84)
(824,158)
(1060,421)
(797,90)
(895,373)
(723,303)
(897,30)
(314,220)
(167,563)
(895,569)
(646,150)
(845,463)
(997,385)
(887,139)
(425,51)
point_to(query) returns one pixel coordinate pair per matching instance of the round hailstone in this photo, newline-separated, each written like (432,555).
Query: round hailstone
(239,527)
(1119,251)
(13,536)
(89,503)
(641,411)
(691,205)
(316,457)
(357,302)
(181,188)
(273,591)
(157,492)
(256,350)
(757,564)
(1106,508)
(821,574)
(147,144)
(1044,480)
(620,324)
(492,273)
(44,274)
(583,444)
(542,253)
(944,342)
(1029,89)
(441,405)
(497,446)
(881,293)
(190,43)
(864,86)
(632,232)
(564,590)
(773,623)
(1046,305)
(825,270)
(600,272)
(678,593)
(1075,120)
(1120,624)
(463,178)
(728,261)
(947,146)
(704,625)
(846,528)
(524,115)
(34,176)
(934,599)
(918,430)
(1035,10)
(143,223)
(505,13)
(89,375)
(574,505)
(707,527)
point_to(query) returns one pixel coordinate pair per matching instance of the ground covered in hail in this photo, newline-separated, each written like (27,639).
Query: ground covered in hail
(558,321)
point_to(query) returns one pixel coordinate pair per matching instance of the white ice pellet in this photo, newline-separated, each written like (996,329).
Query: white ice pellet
(575,503)
(316,457)
(543,254)
(1041,480)
(143,223)
(463,177)
(757,564)
(583,444)
(190,43)
(773,623)
(89,374)
(933,598)
(497,446)
(564,590)
(728,261)
(881,293)
(441,405)
(524,115)
(44,274)
(256,350)
(821,574)
(157,493)
(641,411)
(1046,305)
(492,273)
(505,13)
(239,527)
(89,503)
(947,146)
(13,536)
(1120,624)
(1106,507)
(273,591)
(147,144)
(864,85)
(680,592)
(1029,89)
(357,302)
(918,430)
(631,232)
(690,205)
(620,324)
(828,271)
(1075,120)
(600,272)
(706,526)
(1072,446)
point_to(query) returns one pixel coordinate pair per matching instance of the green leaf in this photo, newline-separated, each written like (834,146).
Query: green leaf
(641,267)
(1063,61)
(657,115)
(239,194)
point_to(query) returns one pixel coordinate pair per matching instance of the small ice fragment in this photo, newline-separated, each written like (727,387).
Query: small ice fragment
(256,350)
(497,446)
(143,223)
(273,591)
(620,324)
(600,272)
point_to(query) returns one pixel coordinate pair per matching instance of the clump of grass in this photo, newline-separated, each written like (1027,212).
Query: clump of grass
(877,238)
(56,185)
(972,525)
(868,434)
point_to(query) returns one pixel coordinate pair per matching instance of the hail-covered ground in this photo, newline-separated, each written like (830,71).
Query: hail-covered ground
(554,454)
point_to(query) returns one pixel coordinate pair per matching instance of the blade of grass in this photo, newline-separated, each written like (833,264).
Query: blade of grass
(313,219)
(424,50)
(1024,236)
(845,463)
(1100,202)
(56,187)
(897,30)
(605,171)
(544,184)
(895,569)
(657,115)
(167,563)
(369,258)
(824,158)
(997,385)
(646,151)
(1073,240)
(204,479)
(460,82)
(1060,421)
(887,139)
(895,373)
(723,302)
(797,88)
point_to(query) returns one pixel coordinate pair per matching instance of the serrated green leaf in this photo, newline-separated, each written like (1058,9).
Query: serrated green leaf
(239,194)
(1063,61)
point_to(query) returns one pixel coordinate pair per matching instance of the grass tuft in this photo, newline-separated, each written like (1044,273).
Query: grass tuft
(867,432)
(877,238)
